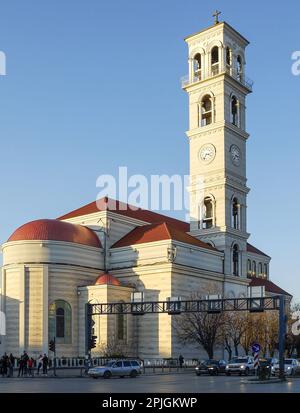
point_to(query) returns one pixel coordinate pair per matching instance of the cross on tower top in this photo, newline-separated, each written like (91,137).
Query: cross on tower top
(216,16)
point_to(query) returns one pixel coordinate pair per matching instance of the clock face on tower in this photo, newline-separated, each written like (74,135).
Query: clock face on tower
(235,155)
(207,153)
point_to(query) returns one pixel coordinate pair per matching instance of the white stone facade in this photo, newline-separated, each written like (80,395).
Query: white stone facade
(40,272)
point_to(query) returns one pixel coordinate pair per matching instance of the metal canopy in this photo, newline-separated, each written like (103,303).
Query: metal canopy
(190,306)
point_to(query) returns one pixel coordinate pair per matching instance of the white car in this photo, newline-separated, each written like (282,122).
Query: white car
(121,368)
(291,367)
(241,365)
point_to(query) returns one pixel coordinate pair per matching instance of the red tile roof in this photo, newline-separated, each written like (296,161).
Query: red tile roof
(269,286)
(121,208)
(131,211)
(254,250)
(159,232)
(55,230)
(107,279)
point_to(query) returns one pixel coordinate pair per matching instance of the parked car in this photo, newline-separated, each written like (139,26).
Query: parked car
(121,368)
(241,365)
(291,367)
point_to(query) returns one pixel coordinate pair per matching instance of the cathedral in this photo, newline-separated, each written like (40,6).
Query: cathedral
(105,251)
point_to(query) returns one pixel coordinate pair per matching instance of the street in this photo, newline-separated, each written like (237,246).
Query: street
(166,383)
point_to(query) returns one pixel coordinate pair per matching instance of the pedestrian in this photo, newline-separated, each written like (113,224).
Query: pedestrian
(4,365)
(181,361)
(39,364)
(30,365)
(25,364)
(45,365)
(87,364)
(11,365)
(21,367)
(1,366)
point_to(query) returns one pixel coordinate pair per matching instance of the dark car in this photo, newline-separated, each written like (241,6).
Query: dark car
(264,368)
(222,366)
(211,367)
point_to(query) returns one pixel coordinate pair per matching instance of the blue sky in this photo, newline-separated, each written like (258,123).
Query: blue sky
(92,85)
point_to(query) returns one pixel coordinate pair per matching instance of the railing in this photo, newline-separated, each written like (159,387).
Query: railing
(215,71)
(80,363)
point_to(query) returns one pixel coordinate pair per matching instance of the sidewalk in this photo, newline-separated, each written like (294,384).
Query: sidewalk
(79,373)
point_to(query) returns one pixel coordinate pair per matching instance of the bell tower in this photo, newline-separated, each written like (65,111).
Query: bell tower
(217,88)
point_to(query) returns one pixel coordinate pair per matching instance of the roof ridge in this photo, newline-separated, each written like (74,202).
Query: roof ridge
(159,231)
(146,215)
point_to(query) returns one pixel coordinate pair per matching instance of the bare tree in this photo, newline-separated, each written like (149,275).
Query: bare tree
(249,335)
(114,349)
(272,330)
(235,324)
(200,328)
(293,340)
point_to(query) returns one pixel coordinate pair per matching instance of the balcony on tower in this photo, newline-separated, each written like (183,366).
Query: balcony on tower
(216,70)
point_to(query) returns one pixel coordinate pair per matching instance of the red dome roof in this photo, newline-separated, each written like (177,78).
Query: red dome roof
(107,279)
(55,230)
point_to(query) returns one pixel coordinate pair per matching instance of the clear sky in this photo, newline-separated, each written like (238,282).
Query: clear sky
(94,85)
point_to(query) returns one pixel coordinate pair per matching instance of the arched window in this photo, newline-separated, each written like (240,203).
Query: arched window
(260,269)
(60,321)
(197,66)
(249,268)
(239,68)
(234,111)
(266,270)
(206,110)
(254,269)
(235,260)
(215,61)
(228,58)
(208,213)
(235,214)
(121,326)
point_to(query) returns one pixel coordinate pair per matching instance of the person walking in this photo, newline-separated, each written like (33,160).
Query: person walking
(21,367)
(45,365)
(1,366)
(5,365)
(87,365)
(30,364)
(11,365)
(181,360)
(25,364)
(39,364)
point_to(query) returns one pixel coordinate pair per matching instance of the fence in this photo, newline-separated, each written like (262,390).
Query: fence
(148,364)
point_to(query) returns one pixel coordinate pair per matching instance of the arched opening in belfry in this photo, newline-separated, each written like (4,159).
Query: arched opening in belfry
(197,66)
(215,60)
(206,110)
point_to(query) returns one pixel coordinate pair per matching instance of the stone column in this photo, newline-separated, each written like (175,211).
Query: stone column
(45,306)
(22,327)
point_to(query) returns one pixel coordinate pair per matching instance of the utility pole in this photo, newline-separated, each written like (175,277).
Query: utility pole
(282,333)
(52,347)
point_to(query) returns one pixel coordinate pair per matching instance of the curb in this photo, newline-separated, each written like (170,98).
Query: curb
(86,377)
(270,381)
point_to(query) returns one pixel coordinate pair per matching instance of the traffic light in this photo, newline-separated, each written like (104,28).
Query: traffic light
(52,346)
(93,342)
(91,338)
